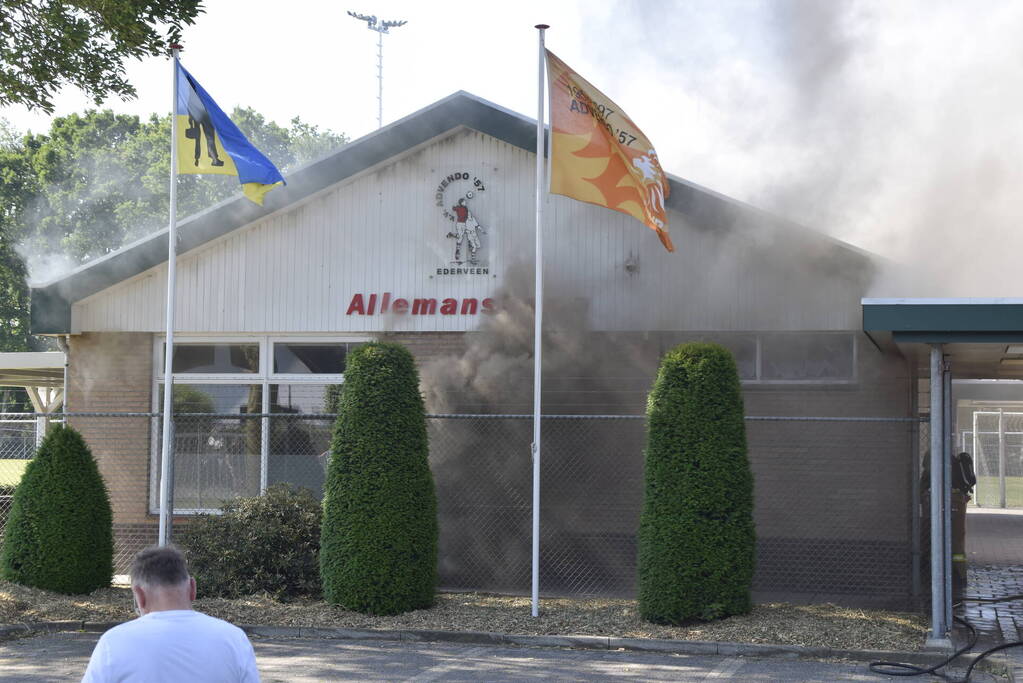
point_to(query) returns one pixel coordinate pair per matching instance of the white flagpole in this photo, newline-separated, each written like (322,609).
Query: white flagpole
(538,326)
(167,447)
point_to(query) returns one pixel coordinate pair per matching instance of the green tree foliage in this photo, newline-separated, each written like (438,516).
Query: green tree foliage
(379,535)
(16,182)
(59,534)
(696,536)
(14,297)
(188,399)
(45,44)
(332,398)
(97,180)
(267,543)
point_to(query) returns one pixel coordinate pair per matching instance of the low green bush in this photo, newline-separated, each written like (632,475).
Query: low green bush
(267,543)
(59,534)
(696,537)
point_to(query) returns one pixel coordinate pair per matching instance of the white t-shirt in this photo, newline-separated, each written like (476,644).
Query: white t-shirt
(173,646)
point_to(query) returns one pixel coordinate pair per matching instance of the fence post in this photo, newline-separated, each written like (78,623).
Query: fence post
(1001,458)
(976,454)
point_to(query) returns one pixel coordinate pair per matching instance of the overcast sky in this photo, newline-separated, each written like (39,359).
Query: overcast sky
(896,125)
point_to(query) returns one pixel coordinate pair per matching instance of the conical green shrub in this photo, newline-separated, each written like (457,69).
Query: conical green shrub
(696,536)
(378,540)
(59,534)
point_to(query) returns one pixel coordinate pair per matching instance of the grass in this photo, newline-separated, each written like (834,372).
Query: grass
(11,471)
(986,493)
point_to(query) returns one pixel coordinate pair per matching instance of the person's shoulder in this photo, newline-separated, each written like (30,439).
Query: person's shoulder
(215,624)
(121,629)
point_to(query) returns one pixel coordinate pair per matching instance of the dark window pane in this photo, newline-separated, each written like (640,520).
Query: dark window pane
(299,448)
(807,356)
(216,358)
(744,350)
(304,359)
(216,456)
(218,399)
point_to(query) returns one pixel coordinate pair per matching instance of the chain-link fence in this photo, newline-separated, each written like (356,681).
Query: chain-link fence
(834,496)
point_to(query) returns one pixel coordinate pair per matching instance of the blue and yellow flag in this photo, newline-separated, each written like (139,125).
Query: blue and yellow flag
(209,142)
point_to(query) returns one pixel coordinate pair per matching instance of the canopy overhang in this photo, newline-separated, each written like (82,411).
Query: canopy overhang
(967,338)
(32,369)
(41,373)
(977,335)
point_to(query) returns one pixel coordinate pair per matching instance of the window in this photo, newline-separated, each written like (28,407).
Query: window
(807,356)
(785,357)
(215,358)
(311,359)
(744,350)
(224,443)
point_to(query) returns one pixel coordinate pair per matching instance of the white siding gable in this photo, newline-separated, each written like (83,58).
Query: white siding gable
(382,232)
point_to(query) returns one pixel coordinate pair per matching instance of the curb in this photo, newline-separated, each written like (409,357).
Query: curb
(1002,665)
(683,647)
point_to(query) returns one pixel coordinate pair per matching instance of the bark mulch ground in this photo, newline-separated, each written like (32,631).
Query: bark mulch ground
(781,624)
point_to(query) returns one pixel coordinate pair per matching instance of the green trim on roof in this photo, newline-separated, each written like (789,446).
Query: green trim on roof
(934,319)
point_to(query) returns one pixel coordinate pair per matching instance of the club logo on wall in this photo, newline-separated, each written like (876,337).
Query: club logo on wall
(456,197)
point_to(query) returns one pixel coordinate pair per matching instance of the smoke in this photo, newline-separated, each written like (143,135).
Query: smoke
(585,372)
(482,465)
(894,126)
(44,266)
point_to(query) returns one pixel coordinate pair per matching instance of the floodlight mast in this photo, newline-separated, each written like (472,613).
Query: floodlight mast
(381,28)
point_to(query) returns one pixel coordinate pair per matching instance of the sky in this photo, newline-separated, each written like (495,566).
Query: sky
(896,126)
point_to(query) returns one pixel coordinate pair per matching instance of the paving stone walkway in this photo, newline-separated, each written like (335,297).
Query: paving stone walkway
(996,622)
(993,601)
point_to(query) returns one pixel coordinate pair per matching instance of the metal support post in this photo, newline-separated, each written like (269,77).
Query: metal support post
(380,79)
(946,484)
(939,635)
(915,517)
(976,450)
(1001,457)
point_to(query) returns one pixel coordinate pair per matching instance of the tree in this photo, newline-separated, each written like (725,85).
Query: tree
(97,180)
(14,324)
(59,535)
(46,44)
(16,182)
(696,537)
(378,540)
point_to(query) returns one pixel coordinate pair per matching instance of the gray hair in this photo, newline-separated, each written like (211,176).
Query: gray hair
(159,566)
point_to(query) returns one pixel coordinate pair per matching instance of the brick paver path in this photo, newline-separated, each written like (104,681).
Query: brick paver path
(994,547)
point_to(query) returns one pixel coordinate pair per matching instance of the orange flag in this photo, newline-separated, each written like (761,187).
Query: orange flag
(598,155)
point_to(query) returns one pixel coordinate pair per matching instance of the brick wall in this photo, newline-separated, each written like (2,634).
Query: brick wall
(832,504)
(832,500)
(113,372)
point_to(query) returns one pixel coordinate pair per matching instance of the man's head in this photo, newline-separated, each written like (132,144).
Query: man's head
(160,580)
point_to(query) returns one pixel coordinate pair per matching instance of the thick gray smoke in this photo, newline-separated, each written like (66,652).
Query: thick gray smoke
(585,372)
(895,126)
(482,466)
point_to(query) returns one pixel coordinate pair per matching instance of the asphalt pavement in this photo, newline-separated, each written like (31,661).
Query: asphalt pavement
(63,657)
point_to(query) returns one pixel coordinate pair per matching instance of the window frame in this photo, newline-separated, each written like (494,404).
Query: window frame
(827,381)
(264,377)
